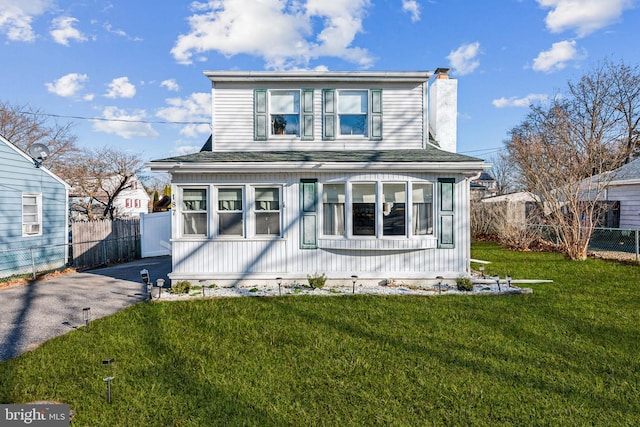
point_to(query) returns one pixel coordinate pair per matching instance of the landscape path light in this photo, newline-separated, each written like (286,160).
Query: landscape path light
(160,285)
(497,279)
(440,279)
(109,378)
(354,279)
(279,281)
(86,315)
(508,279)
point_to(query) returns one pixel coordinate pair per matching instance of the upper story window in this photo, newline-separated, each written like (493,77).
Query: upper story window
(352,112)
(31,214)
(194,212)
(284,109)
(279,113)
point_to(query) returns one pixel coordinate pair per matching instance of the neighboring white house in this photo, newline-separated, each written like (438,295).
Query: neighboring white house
(132,201)
(335,173)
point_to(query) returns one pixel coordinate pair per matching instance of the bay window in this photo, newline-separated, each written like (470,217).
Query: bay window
(194,212)
(333,213)
(267,211)
(230,212)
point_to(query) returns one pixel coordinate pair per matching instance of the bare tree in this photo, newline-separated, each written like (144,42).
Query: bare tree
(504,172)
(566,151)
(23,126)
(99,176)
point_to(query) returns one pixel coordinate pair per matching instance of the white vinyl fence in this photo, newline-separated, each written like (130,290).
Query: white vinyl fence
(155,234)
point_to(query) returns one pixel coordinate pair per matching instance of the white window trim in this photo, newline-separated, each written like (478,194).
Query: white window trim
(216,212)
(39,223)
(179,225)
(339,135)
(271,135)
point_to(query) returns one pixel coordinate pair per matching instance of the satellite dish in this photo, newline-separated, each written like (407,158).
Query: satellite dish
(39,152)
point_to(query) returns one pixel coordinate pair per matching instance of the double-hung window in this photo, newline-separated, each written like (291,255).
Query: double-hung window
(284,109)
(230,215)
(31,214)
(353,108)
(267,210)
(194,212)
(333,212)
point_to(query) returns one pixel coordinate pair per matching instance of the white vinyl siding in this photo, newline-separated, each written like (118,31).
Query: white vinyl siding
(402,127)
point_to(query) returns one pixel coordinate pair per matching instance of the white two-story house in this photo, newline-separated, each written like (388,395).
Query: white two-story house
(335,173)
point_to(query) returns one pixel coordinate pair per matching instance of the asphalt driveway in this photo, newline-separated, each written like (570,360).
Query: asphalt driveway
(41,310)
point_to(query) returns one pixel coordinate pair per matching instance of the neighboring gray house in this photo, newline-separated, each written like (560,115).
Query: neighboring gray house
(341,173)
(33,214)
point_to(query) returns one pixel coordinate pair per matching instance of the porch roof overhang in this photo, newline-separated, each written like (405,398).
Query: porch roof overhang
(428,160)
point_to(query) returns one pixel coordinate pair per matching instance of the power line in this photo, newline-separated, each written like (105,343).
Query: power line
(102,119)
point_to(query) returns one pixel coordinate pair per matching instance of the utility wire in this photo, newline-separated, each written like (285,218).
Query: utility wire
(102,119)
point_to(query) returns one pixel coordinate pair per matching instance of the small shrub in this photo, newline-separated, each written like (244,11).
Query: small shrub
(182,287)
(317,281)
(464,284)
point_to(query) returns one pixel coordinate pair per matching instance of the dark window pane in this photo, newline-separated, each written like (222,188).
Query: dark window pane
(393,223)
(195,224)
(268,223)
(364,219)
(230,224)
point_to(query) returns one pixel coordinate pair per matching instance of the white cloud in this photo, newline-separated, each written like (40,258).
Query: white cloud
(413,8)
(182,150)
(583,16)
(16,17)
(520,102)
(279,31)
(170,84)
(126,125)
(556,58)
(63,30)
(464,60)
(195,108)
(67,85)
(121,88)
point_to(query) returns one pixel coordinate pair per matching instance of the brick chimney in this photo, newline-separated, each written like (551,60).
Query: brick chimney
(443,110)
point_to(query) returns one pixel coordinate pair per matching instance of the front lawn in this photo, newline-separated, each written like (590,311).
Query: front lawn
(568,354)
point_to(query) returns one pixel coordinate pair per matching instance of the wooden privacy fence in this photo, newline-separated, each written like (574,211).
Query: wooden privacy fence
(104,241)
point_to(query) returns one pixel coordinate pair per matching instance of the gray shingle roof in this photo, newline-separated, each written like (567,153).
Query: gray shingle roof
(629,171)
(428,155)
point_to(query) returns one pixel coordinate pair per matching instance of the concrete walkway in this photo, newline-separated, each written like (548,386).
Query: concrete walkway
(41,310)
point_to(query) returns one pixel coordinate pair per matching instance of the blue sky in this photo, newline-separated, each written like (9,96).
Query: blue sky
(138,65)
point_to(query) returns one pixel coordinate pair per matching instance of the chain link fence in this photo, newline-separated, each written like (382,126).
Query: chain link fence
(623,244)
(40,259)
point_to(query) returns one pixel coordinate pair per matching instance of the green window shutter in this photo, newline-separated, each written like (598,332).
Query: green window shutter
(308,214)
(260,116)
(306,124)
(329,114)
(446,213)
(376,114)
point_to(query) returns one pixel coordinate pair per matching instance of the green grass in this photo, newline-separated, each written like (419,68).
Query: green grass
(568,354)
